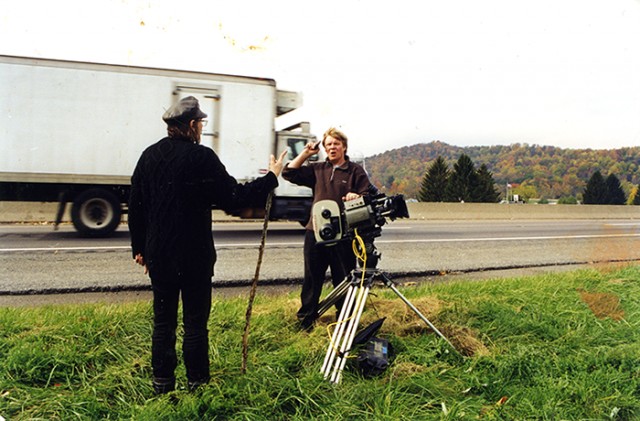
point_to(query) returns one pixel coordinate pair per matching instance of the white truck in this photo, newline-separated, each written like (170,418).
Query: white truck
(72,132)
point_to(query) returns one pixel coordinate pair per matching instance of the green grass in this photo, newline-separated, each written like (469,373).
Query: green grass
(532,348)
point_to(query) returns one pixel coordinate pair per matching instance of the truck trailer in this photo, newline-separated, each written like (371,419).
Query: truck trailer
(72,133)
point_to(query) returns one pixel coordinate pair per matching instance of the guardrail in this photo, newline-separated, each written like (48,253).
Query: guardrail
(26,212)
(520,211)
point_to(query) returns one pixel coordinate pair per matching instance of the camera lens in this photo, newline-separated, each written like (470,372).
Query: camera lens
(326,213)
(327,232)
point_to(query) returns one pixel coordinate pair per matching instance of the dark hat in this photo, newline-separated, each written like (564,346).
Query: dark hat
(184,111)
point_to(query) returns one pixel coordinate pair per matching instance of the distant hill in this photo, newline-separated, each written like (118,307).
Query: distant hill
(553,172)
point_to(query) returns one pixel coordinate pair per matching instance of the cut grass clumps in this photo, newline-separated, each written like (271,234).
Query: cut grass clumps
(562,346)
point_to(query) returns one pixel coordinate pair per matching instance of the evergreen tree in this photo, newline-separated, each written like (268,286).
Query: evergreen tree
(390,180)
(596,191)
(636,198)
(615,194)
(435,182)
(486,188)
(462,181)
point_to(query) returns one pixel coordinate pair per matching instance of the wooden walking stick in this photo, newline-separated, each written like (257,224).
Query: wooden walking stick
(254,286)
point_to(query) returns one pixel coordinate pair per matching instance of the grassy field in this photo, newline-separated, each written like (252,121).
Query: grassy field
(553,347)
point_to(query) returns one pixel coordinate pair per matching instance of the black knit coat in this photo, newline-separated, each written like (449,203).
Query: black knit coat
(173,188)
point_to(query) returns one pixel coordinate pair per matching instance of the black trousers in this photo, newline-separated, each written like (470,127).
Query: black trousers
(317,259)
(196,306)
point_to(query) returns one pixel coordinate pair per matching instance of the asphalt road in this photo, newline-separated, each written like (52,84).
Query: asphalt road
(35,259)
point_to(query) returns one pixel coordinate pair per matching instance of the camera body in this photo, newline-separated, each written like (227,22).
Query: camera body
(367,214)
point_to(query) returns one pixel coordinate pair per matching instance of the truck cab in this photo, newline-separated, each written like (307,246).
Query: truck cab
(293,202)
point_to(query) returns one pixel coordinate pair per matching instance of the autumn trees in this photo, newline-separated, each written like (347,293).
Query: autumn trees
(536,173)
(462,184)
(547,172)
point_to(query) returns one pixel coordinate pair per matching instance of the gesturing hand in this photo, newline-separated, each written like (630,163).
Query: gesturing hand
(276,166)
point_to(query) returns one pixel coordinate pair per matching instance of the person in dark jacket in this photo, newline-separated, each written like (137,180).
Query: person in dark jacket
(175,183)
(336,179)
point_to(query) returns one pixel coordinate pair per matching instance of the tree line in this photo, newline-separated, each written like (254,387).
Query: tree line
(464,183)
(534,171)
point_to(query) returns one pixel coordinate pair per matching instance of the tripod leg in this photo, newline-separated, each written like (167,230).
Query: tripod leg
(350,334)
(337,335)
(335,295)
(391,285)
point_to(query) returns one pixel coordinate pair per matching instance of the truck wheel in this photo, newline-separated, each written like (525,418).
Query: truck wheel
(96,213)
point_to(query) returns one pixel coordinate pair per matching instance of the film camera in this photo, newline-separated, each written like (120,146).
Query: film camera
(367,214)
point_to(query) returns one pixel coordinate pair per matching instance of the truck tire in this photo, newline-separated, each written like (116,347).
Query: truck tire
(96,213)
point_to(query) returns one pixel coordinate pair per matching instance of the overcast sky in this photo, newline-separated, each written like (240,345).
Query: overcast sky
(393,73)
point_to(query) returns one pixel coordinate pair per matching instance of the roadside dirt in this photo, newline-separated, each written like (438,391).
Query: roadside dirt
(32,300)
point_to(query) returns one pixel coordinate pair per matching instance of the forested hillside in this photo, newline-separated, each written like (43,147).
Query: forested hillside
(549,172)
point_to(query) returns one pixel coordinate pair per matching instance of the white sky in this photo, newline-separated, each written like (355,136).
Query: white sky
(389,73)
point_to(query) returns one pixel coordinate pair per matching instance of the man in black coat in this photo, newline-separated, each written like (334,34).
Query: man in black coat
(173,188)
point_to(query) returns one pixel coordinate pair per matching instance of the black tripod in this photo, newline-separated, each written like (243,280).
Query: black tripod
(355,288)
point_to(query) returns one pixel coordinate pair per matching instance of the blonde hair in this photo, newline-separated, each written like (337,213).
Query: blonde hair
(336,134)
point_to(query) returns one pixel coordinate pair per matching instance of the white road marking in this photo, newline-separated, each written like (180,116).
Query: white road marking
(288,244)
(551,237)
(65,248)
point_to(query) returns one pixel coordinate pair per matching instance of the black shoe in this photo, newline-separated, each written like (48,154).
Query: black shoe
(306,325)
(162,385)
